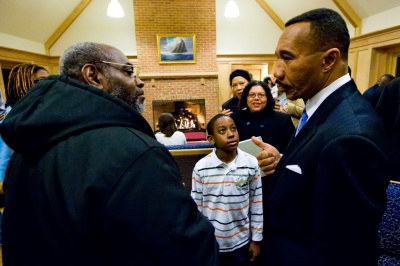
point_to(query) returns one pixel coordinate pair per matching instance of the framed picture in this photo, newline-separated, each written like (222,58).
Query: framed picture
(176,48)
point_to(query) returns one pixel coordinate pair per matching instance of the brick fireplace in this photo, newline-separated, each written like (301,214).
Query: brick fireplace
(189,114)
(190,82)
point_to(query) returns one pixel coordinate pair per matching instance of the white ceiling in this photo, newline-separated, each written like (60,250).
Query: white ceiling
(37,20)
(34,20)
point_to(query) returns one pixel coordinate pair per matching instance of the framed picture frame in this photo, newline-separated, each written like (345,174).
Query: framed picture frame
(176,48)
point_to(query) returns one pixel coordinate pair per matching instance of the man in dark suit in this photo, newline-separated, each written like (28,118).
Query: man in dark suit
(327,193)
(388,108)
(373,93)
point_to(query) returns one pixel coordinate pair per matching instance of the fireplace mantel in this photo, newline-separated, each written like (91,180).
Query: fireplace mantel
(178,75)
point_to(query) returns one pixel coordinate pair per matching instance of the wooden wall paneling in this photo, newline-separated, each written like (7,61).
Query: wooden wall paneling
(369,66)
(363,69)
(392,62)
(224,89)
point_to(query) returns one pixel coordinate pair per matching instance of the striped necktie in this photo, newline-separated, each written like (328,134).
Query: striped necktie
(303,120)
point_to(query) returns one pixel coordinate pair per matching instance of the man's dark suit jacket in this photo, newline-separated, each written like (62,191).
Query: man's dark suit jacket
(388,108)
(329,214)
(372,94)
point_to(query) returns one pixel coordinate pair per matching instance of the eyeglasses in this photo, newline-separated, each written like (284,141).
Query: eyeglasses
(130,70)
(259,95)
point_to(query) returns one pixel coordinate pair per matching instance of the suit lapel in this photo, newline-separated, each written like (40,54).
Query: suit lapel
(310,128)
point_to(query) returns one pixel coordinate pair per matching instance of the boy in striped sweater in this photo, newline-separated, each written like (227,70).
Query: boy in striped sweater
(226,186)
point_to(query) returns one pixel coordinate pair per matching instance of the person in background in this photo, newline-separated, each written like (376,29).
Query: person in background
(388,108)
(327,193)
(227,190)
(238,79)
(169,134)
(293,108)
(269,82)
(88,182)
(373,93)
(21,79)
(258,118)
(2,106)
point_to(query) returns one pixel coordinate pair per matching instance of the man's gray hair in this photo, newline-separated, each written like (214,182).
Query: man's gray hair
(79,54)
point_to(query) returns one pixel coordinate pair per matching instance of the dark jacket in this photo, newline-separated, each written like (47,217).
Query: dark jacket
(275,128)
(231,104)
(388,108)
(372,94)
(327,212)
(89,185)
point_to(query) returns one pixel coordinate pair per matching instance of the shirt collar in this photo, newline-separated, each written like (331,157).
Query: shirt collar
(313,103)
(234,164)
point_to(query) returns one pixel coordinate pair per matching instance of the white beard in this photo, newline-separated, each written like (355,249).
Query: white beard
(140,106)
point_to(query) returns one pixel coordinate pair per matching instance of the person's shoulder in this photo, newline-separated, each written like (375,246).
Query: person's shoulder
(129,138)
(204,162)
(369,93)
(242,155)
(227,103)
(392,86)
(179,133)
(159,135)
(240,114)
(134,142)
(279,116)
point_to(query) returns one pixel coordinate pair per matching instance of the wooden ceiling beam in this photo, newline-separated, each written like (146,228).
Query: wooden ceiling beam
(272,14)
(65,25)
(350,14)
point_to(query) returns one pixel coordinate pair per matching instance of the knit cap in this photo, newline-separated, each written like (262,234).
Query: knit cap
(239,73)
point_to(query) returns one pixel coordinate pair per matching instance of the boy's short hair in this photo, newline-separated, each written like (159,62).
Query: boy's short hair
(210,124)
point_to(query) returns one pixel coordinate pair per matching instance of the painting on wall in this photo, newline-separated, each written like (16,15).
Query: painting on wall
(176,48)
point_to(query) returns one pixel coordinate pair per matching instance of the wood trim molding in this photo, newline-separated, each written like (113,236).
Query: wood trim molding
(350,14)
(243,58)
(272,14)
(65,25)
(179,75)
(377,33)
(187,152)
(13,55)
(386,36)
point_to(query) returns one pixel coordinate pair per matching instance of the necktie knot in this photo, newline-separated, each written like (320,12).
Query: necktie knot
(303,120)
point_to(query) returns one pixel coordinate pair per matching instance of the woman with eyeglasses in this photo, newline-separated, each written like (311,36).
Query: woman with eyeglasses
(258,118)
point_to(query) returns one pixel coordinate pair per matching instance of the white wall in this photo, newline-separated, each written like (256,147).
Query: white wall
(118,32)
(21,44)
(253,32)
(381,21)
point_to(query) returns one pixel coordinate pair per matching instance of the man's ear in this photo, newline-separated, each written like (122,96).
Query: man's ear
(331,58)
(211,139)
(91,76)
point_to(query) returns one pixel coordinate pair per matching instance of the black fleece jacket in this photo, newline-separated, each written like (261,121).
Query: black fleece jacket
(89,185)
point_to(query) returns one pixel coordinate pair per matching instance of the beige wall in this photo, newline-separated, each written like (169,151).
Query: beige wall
(374,54)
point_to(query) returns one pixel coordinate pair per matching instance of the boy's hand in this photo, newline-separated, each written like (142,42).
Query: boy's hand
(254,250)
